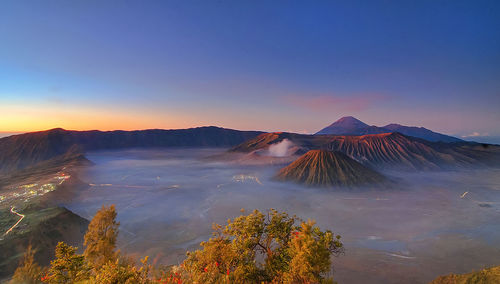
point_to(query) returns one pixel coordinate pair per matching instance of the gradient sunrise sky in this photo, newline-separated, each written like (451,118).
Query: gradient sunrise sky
(261,65)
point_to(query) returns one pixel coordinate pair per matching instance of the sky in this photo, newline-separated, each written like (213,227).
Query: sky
(251,65)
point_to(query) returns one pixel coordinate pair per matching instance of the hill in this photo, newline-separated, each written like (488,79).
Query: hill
(25,150)
(486,276)
(326,168)
(44,228)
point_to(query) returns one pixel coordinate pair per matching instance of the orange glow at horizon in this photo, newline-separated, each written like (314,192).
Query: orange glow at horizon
(16,118)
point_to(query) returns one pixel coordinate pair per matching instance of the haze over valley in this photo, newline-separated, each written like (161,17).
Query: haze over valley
(413,232)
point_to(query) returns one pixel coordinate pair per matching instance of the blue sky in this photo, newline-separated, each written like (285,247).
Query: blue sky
(265,65)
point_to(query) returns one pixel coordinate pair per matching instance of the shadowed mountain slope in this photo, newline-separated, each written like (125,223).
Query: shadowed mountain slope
(24,150)
(44,228)
(388,150)
(421,132)
(326,168)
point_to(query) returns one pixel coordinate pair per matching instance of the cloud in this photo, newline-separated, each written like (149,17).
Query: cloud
(475,134)
(328,102)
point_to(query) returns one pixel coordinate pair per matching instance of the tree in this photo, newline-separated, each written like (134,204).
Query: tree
(68,267)
(100,239)
(263,248)
(310,249)
(28,272)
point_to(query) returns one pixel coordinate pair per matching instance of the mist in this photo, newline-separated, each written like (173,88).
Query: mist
(280,149)
(425,226)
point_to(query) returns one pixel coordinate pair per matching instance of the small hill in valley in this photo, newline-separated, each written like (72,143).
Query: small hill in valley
(327,168)
(485,276)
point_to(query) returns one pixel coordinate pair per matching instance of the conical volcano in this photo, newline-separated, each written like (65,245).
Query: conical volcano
(349,125)
(326,168)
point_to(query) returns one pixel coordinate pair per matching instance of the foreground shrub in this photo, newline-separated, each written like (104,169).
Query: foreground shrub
(264,248)
(28,272)
(486,276)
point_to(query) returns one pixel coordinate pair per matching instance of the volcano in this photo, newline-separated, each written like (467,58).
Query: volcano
(328,169)
(349,125)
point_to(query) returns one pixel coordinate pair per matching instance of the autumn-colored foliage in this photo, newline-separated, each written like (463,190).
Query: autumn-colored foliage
(262,247)
(100,239)
(68,267)
(28,272)
(485,276)
(271,247)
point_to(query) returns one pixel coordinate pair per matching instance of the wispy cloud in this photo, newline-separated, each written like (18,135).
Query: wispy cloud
(330,102)
(482,137)
(475,134)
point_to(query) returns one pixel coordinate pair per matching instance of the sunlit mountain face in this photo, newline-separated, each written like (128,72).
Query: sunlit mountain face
(249,142)
(327,168)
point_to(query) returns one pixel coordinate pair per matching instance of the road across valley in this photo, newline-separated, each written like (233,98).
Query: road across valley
(15,225)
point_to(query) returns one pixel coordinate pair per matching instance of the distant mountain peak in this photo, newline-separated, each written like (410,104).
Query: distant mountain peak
(349,125)
(348,117)
(349,121)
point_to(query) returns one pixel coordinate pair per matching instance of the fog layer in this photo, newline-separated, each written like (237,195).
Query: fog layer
(430,224)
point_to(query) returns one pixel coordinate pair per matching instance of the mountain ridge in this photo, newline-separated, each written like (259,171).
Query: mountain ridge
(25,150)
(388,150)
(349,125)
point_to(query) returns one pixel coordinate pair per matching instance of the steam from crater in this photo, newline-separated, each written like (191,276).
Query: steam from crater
(280,149)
